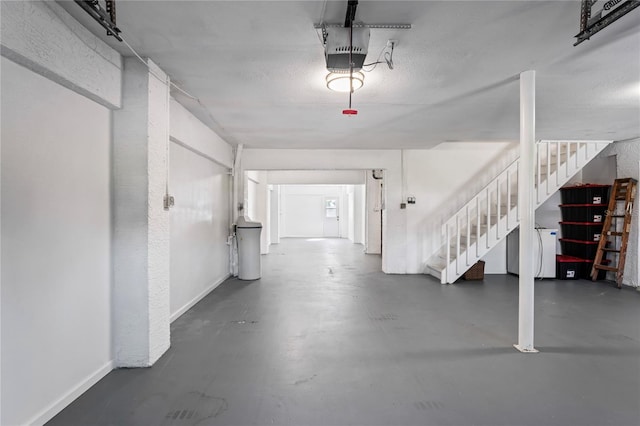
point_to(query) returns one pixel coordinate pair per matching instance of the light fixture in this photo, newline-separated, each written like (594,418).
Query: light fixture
(339,81)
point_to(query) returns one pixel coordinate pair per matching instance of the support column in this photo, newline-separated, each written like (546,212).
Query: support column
(141,225)
(526,209)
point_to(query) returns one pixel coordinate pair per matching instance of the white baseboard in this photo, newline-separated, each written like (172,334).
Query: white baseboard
(80,388)
(198,298)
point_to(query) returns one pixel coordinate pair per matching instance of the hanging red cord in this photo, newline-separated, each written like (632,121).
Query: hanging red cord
(350,111)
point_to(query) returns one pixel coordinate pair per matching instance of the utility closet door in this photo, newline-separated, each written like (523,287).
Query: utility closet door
(331,217)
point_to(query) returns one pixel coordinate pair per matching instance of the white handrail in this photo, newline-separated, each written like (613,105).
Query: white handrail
(468,220)
(455,219)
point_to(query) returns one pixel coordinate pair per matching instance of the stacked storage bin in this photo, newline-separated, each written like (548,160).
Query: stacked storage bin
(583,212)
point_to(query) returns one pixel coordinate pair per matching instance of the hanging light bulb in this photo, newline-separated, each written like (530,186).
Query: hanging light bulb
(339,81)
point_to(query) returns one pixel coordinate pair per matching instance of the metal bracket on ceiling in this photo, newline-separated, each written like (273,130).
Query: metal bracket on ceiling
(104,18)
(352,5)
(361,25)
(587,29)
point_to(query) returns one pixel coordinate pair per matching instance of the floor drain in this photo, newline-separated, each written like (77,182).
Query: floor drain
(385,317)
(180,414)
(427,405)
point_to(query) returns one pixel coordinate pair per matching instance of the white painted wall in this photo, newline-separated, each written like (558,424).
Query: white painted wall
(374,205)
(43,37)
(496,259)
(359,214)
(355,220)
(199,227)
(251,203)
(257,204)
(200,166)
(601,170)
(443,179)
(274,214)
(316,177)
(394,261)
(303,209)
(56,245)
(350,211)
(186,129)
(141,255)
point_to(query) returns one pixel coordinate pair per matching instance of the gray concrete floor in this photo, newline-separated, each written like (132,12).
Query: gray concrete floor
(325,338)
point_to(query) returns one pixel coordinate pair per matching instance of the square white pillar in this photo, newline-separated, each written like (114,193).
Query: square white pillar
(141,225)
(526,210)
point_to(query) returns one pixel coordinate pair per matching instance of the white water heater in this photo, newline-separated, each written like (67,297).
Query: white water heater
(544,252)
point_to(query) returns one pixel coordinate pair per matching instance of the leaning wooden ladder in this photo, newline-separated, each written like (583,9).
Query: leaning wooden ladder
(624,190)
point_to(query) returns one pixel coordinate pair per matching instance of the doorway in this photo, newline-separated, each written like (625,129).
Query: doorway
(331,217)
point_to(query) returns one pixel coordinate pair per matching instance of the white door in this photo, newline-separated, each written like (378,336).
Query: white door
(331,217)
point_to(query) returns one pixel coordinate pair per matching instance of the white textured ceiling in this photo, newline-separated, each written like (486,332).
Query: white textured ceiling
(258,67)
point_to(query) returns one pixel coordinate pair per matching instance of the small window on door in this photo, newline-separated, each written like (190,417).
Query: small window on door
(330,208)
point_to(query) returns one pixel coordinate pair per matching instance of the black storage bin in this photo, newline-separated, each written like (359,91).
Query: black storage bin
(584,231)
(585,194)
(594,213)
(585,271)
(581,249)
(568,267)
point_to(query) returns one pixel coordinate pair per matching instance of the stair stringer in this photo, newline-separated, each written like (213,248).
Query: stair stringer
(556,163)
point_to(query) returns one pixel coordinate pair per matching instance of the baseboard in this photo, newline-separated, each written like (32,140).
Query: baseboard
(84,385)
(198,298)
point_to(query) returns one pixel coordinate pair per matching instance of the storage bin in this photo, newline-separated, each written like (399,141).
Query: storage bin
(584,231)
(577,248)
(572,268)
(585,194)
(476,272)
(585,271)
(594,213)
(568,267)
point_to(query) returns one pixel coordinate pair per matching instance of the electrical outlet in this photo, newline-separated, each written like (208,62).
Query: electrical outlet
(169,201)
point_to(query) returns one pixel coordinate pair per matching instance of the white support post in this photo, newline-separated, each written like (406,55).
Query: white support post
(526,186)
(141,225)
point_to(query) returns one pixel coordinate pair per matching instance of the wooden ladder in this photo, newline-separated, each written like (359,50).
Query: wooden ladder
(624,190)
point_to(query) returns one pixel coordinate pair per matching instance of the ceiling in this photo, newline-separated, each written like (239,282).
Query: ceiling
(258,69)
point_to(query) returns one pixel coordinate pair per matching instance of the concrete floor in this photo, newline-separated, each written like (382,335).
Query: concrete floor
(325,338)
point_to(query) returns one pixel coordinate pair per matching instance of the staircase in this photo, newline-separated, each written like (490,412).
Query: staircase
(493,213)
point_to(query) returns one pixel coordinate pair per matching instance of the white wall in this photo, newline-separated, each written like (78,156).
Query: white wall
(316,177)
(374,199)
(303,209)
(356,210)
(199,227)
(257,204)
(187,130)
(200,163)
(141,240)
(43,37)
(496,259)
(443,179)
(394,260)
(274,214)
(56,245)
(359,214)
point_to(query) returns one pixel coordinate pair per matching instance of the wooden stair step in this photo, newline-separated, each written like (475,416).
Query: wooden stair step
(611,250)
(606,268)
